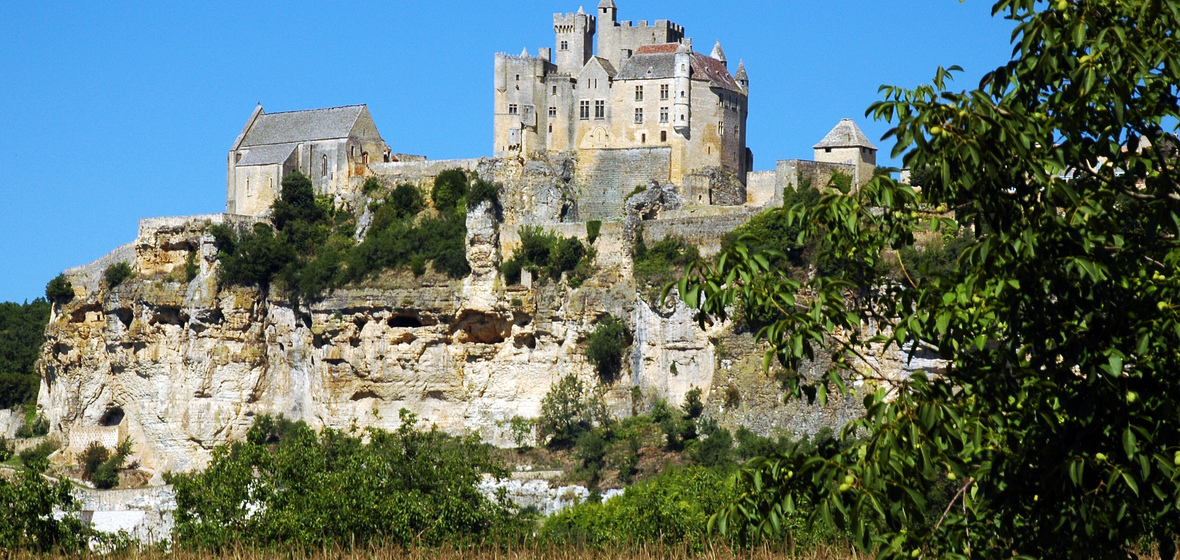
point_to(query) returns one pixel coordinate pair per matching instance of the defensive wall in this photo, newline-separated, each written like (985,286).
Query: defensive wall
(605,177)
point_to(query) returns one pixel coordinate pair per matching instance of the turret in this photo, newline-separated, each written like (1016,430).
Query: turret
(682,87)
(575,40)
(608,11)
(741,77)
(719,54)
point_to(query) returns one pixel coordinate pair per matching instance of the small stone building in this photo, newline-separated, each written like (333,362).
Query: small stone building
(846,144)
(333,147)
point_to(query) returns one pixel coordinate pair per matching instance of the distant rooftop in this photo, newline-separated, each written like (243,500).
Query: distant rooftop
(845,135)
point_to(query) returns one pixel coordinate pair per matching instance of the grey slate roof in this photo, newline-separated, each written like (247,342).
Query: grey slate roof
(845,135)
(659,61)
(302,126)
(267,154)
(648,66)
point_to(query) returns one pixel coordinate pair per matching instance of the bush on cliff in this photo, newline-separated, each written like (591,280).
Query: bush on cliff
(547,255)
(660,264)
(295,487)
(605,347)
(59,290)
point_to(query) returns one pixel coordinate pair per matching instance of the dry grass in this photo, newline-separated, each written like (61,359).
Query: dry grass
(547,552)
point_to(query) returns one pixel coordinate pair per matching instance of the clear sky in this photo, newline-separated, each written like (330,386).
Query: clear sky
(114,111)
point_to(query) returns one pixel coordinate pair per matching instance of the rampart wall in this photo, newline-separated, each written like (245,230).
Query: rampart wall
(701,226)
(605,177)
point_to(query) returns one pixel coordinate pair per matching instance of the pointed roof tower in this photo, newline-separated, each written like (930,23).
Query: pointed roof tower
(845,135)
(741,77)
(607,4)
(718,53)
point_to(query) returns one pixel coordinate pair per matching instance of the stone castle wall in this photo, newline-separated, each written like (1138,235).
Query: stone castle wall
(604,178)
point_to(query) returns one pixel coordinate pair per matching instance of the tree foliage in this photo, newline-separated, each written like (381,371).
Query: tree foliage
(22,332)
(1054,420)
(568,410)
(289,486)
(117,273)
(59,290)
(27,521)
(605,347)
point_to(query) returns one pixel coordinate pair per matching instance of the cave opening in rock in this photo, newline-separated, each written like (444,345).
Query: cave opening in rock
(112,417)
(405,321)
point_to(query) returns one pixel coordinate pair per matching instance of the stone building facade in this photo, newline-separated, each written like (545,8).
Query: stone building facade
(645,87)
(333,147)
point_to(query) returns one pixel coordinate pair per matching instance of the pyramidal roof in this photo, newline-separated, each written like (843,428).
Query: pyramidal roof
(845,135)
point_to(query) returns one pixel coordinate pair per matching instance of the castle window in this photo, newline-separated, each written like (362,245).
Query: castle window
(518,77)
(638,115)
(584,110)
(664,91)
(565,45)
(552,111)
(324,168)
(639,93)
(599,109)
(664,115)
(682,95)
(364,158)
(827,150)
(642,138)
(663,136)
(550,128)
(513,109)
(248,191)
(554,90)
(237,157)
(352,152)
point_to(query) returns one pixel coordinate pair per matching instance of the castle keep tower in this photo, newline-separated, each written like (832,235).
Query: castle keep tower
(643,88)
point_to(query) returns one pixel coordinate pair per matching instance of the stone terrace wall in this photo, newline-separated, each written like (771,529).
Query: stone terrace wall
(422,170)
(88,277)
(703,227)
(790,171)
(605,177)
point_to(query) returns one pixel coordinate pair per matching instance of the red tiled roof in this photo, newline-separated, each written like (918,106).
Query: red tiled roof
(655,49)
(713,70)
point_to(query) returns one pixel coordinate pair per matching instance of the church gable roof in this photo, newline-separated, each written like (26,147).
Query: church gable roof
(267,154)
(302,126)
(845,135)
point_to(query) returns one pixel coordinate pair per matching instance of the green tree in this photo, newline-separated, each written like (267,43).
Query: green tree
(59,290)
(449,187)
(568,410)
(116,274)
(336,488)
(28,502)
(22,332)
(605,347)
(1054,419)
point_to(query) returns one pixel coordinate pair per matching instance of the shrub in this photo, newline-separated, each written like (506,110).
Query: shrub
(191,269)
(105,477)
(34,426)
(418,265)
(841,181)
(37,457)
(5,450)
(693,407)
(522,430)
(59,290)
(592,229)
(483,191)
(337,488)
(673,507)
(449,187)
(716,449)
(372,185)
(567,411)
(660,264)
(605,347)
(629,466)
(93,457)
(406,200)
(116,274)
(28,520)
(545,252)
(590,450)
(511,270)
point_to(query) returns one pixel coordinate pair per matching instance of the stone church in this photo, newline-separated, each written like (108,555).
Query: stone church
(331,146)
(644,87)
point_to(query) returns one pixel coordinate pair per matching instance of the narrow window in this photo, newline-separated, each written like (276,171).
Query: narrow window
(663,136)
(518,77)
(664,91)
(364,158)
(248,191)
(639,93)
(642,138)
(584,110)
(554,90)
(599,109)
(565,45)
(324,169)
(352,152)
(552,111)
(682,95)
(237,157)
(550,128)
(513,109)
(638,115)
(664,115)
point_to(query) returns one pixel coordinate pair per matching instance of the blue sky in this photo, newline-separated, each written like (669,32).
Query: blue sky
(115,111)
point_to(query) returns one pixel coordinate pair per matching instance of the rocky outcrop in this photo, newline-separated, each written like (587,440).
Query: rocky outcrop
(184,366)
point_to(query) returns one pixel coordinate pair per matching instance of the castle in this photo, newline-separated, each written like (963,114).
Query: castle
(645,87)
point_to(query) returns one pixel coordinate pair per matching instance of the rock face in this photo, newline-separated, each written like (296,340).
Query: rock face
(184,366)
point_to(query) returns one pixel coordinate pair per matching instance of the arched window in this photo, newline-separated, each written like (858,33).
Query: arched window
(365,158)
(324,168)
